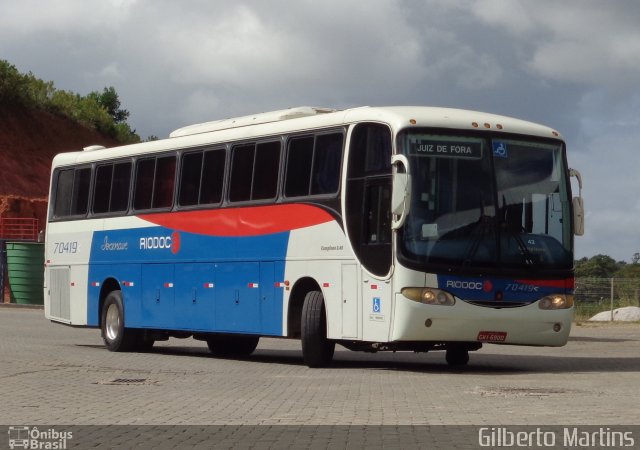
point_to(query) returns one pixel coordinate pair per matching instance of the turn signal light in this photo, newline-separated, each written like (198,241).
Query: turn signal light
(428,296)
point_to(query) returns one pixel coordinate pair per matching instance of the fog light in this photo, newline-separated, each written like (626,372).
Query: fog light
(428,296)
(556,301)
(427,323)
(557,327)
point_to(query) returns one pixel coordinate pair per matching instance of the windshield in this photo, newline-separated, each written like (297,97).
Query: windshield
(481,203)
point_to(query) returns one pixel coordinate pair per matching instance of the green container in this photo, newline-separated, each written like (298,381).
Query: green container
(25,266)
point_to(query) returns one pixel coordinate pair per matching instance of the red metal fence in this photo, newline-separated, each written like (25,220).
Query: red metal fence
(19,229)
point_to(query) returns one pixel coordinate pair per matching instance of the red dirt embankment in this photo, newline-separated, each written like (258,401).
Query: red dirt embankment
(29,139)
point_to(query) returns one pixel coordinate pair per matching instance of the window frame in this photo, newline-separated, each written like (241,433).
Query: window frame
(285,161)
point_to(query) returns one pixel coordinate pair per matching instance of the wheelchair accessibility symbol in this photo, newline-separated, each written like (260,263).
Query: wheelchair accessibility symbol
(377,307)
(500,149)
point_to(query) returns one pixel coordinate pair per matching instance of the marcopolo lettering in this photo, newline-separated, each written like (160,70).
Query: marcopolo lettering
(155,242)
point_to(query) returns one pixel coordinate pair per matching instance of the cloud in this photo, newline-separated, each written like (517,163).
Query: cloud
(590,42)
(573,65)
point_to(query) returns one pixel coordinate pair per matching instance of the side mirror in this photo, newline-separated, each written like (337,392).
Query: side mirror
(578,205)
(401,193)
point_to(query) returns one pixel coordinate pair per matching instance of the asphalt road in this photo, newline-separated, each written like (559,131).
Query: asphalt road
(53,374)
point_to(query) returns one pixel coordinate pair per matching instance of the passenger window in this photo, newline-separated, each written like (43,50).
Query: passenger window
(313,165)
(299,161)
(265,176)
(80,195)
(212,177)
(102,190)
(254,172)
(155,180)
(326,164)
(164,182)
(190,176)
(241,173)
(145,170)
(64,189)
(120,187)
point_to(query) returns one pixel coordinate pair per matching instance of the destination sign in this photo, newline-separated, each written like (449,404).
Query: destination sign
(449,149)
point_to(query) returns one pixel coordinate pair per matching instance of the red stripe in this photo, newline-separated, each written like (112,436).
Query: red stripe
(251,221)
(568,283)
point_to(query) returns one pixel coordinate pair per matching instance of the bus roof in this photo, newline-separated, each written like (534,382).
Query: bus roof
(306,118)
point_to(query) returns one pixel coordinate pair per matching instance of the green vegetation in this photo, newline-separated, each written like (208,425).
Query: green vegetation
(603,284)
(98,110)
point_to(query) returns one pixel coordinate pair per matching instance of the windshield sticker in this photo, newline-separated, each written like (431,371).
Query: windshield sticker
(499,149)
(448,149)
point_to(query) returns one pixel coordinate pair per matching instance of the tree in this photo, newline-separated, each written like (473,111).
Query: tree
(110,101)
(599,266)
(636,258)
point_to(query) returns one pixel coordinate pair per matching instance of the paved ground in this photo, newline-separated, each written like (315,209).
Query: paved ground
(53,374)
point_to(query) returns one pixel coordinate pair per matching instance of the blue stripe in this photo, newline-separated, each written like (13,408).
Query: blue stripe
(172,272)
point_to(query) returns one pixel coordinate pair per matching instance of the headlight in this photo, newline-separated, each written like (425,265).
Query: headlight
(428,296)
(556,301)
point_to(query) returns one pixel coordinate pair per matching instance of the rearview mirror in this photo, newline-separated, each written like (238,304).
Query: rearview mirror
(401,194)
(578,205)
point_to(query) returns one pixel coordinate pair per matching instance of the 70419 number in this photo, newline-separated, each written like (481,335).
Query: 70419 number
(65,247)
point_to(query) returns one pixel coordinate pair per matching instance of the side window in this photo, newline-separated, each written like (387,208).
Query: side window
(313,165)
(72,192)
(190,176)
(368,196)
(120,187)
(377,212)
(202,178)
(265,173)
(80,195)
(155,180)
(241,173)
(212,176)
(102,189)
(254,171)
(299,161)
(164,182)
(111,190)
(326,164)
(145,170)
(64,188)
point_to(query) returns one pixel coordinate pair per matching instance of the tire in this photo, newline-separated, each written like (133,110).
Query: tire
(317,350)
(232,345)
(457,356)
(116,337)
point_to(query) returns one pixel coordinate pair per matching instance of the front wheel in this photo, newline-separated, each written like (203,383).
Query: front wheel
(457,356)
(317,350)
(116,337)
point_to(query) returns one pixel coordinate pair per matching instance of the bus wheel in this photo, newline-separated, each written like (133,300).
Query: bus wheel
(116,337)
(232,345)
(317,350)
(457,356)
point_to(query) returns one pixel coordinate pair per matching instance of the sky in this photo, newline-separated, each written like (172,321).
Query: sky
(572,65)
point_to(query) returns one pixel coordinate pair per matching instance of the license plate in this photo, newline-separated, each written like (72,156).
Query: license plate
(492,336)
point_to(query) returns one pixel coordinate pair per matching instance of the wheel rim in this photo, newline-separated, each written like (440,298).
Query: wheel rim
(112,322)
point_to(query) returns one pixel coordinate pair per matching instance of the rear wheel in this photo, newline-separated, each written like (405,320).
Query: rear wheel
(117,338)
(232,345)
(317,350)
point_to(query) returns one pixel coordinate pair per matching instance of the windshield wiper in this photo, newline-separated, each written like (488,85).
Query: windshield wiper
(528,258)
(484,224)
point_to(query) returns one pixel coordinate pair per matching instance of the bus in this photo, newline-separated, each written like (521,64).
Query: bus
(376,228)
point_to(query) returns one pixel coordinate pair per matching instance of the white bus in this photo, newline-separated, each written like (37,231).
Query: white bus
(391,228)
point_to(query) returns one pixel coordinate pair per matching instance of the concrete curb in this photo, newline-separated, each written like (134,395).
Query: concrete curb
(20,306)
